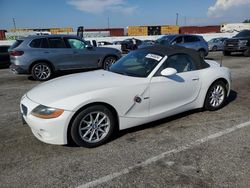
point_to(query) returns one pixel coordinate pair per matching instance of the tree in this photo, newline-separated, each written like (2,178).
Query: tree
(247,21)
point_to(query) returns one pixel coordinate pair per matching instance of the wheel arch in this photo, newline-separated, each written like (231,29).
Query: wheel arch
(224,80)
(110,107)
(39,61)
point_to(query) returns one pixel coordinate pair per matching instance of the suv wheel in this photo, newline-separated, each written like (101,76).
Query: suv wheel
(247,53)
(93,126)
(41,71)
(202,53)
(108,61)
(226,53)
(214,48)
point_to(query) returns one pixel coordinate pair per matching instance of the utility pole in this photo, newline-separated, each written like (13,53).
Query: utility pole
(177,18)
(185,20)
(14,22)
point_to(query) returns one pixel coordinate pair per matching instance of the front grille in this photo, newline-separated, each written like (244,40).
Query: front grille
(24,110)
(232,42)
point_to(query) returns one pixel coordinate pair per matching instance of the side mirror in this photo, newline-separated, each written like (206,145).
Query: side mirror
(168,72)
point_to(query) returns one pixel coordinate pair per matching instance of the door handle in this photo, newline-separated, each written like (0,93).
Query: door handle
(75,52)
(46,52)
(196,79)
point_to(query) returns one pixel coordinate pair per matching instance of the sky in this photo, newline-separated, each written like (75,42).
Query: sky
(121,13)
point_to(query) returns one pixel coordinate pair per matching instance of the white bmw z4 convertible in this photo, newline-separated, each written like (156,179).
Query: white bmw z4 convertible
(146,85)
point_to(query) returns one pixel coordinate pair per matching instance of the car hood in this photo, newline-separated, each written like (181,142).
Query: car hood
(58,89)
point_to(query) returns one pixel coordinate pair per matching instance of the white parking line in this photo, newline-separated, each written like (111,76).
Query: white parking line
(162,155)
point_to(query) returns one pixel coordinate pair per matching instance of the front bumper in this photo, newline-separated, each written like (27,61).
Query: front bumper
(52,131)
(235,48)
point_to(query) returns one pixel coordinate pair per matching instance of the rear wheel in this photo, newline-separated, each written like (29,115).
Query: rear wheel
(226,53)
(41,71)
(108,61)
(93,126)
(214,48)
(216,96)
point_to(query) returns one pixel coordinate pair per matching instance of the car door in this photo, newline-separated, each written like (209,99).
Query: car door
(170,93)
(58,54)
(82,55)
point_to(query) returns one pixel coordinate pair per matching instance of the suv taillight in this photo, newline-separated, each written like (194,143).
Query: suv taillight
(16,53)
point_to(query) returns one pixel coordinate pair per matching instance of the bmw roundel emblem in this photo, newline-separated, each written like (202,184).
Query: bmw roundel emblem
(137,99)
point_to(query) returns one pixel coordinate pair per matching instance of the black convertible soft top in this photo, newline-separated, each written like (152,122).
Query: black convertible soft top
(172,50)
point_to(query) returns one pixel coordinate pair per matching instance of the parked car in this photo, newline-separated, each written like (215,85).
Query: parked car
(130,44)
(4,56)
(146,85)
(216,44)
(117,42)
(239,43)
(146,43)
(104,43)
(189,41)
(42,56)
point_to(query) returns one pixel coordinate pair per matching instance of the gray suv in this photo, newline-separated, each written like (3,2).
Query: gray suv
(195,42)
(42,56)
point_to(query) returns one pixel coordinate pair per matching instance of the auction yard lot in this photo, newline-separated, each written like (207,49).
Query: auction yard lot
(194,149)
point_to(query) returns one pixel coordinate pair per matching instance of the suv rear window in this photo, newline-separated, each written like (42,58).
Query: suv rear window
(56,43)
(16,44)
(35,43)
(39,43)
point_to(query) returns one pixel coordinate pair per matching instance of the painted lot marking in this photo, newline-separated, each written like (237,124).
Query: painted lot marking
(163,155)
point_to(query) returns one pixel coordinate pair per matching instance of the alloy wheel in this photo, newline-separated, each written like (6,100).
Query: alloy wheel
(42,71)
(217,96)
(94,127)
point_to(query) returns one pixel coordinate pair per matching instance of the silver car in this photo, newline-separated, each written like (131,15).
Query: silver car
(42,56)
(216,44)
(195,42)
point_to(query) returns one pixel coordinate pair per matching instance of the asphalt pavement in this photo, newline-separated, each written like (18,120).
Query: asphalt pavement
(193,149)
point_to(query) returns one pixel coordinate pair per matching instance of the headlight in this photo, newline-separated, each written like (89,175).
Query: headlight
(243,42)
(45,112)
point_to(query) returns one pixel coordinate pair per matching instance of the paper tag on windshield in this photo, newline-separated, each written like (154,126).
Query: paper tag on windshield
(154,56)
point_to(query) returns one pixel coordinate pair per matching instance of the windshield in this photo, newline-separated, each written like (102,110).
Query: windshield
(165,39)
(136,64)
(245,33)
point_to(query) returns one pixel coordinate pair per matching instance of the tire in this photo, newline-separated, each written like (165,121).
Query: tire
(202,53)
(108,61)
(226,53)
(214,49)
(216,96)
(86,132)
(247,53)
(41,71)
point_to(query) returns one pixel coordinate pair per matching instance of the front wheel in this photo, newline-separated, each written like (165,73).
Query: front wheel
(226,53)
(247,53)
(202,54)
(41,71)
(93,126)
(216,96)
(108,62)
